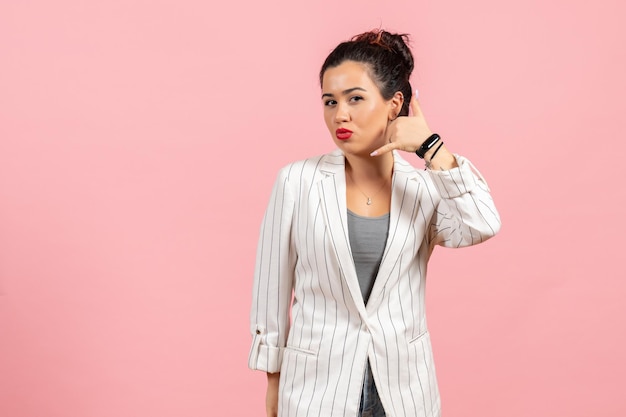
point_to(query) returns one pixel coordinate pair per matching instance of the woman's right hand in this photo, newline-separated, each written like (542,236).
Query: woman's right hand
(271,397)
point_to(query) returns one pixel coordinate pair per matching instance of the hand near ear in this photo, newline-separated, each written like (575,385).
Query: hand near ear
(406,133)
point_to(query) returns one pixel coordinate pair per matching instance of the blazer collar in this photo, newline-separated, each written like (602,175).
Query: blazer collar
(333,196)
(334,163)
(332,191)
(405,199)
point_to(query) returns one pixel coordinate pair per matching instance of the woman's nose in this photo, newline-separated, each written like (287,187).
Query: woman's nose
(341,114)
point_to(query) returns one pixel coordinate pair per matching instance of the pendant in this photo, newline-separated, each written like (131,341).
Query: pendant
(369,201)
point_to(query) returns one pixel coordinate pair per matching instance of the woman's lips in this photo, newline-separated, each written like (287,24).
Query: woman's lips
(343,134)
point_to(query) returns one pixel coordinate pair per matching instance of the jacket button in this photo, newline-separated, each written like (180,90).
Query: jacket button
(258,332)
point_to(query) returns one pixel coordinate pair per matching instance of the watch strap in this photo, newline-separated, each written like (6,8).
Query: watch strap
(427,145)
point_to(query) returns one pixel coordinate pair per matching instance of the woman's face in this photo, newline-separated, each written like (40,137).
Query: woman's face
(355,112)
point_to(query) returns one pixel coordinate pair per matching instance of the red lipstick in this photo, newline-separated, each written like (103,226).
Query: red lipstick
(343,134)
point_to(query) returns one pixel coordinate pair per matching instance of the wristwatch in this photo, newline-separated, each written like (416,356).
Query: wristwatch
(428,143)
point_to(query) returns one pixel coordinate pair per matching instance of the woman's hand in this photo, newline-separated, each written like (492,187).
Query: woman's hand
(409,132)
(406,133)
(271,397)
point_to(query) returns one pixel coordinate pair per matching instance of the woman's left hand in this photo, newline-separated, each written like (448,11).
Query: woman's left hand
(406,133)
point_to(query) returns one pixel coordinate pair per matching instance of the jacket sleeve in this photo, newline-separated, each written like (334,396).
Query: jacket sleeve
(465,213)
(273,280)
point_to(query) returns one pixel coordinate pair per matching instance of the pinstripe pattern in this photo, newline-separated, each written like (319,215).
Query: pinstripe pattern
(304,253)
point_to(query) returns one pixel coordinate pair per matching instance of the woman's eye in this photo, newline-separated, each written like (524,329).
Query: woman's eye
(330,103)
(356,98)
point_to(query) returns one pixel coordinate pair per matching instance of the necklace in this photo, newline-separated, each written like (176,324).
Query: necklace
(369,199)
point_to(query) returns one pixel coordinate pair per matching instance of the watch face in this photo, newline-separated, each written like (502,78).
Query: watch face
(428,143)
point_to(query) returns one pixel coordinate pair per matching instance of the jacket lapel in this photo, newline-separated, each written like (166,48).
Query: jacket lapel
(404,200)
(333,197)
(404,207)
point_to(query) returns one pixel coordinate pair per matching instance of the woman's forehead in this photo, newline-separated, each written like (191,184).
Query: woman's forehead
(347,75)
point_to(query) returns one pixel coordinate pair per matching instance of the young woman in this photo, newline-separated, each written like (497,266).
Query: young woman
(338,318)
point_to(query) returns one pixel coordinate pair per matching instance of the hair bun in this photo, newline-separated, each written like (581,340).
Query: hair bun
(397,43)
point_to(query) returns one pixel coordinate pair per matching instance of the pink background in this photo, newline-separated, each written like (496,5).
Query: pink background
(138,144)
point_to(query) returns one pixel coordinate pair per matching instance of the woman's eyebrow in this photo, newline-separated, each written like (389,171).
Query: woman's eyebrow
(345,92)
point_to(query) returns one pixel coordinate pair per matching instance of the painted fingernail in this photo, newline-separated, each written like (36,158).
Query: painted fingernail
(417,93)
(374,153)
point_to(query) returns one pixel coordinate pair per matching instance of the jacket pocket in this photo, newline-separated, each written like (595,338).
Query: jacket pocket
(419,337)
(300,350)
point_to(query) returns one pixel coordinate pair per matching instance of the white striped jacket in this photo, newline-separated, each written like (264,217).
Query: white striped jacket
(308,318)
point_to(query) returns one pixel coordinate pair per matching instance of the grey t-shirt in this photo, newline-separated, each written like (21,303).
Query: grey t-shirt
(368,236)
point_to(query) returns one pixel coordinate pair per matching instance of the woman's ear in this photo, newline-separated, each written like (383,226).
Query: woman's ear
(395,105)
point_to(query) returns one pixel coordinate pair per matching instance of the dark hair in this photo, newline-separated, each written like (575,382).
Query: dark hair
(386,56)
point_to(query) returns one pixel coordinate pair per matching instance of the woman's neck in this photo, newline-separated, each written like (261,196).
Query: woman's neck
(370,168)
